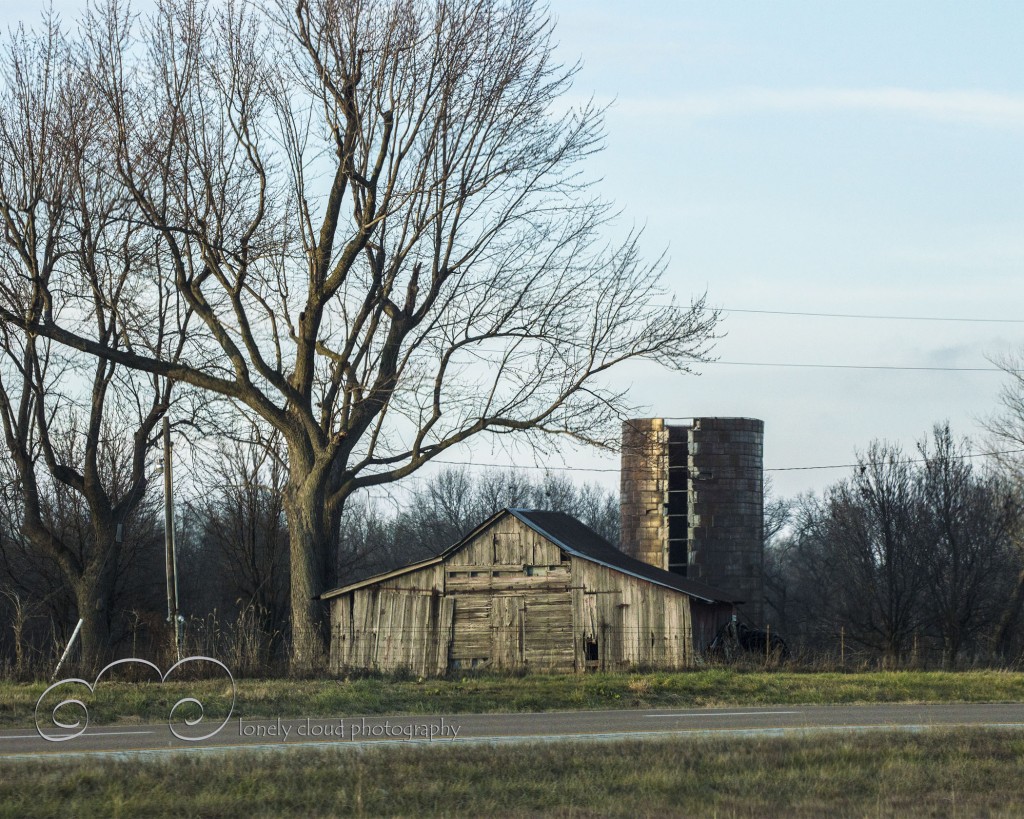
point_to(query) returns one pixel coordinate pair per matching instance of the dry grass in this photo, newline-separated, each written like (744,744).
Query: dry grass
(134,702)
(935,773)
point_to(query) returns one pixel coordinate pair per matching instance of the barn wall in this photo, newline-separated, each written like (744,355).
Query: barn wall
(623,621)
(510,590)
(511,599)
(403,622)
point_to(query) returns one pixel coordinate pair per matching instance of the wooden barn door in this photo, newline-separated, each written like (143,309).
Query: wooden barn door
(591,633)
(602,630)
(507,631)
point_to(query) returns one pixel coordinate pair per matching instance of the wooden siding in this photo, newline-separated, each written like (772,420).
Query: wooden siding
(510,588)
(509,542)
(510,598)
(628,621)
(403,622)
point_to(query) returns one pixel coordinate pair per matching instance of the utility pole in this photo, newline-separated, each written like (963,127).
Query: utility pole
(170,552)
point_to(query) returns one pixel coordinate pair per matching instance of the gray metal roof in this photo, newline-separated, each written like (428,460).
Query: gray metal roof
(570,535)
(582,541)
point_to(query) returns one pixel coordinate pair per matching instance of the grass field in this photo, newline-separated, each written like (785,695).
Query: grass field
(948,773)
(122,702)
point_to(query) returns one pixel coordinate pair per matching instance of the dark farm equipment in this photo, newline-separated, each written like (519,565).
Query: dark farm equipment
(736,640)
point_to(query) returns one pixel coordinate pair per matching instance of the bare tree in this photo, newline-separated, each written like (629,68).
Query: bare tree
(1006,429)
(1006,424)
(908,552)
(966,542)
(377,214)
(241,526)
(868,546)
(778,516)
(454,501)
(78,428)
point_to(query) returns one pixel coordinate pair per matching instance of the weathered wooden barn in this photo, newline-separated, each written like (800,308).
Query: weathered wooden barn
(525,589)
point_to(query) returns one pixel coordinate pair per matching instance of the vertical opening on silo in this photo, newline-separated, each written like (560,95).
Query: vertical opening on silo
(678,500)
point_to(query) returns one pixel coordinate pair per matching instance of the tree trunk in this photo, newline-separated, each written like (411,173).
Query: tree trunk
(950,650)
(1001,643)
(93,602)
(313,539)
(94,598)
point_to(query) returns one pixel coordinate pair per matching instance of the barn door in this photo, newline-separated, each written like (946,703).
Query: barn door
(602,630)
(507,631)
(591,633)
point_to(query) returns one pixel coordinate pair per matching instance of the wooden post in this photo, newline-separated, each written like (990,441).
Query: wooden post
(842,646)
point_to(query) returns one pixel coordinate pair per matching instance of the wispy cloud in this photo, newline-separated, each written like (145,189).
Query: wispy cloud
(983,108)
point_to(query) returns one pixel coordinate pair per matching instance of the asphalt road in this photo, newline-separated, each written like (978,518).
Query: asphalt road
(361,732)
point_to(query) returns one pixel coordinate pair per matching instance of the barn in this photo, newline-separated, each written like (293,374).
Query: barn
(526,589)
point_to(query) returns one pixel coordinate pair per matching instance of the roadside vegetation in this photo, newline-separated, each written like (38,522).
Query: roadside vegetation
(121,702)
(933,773)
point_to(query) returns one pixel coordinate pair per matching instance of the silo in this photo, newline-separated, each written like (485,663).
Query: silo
(692,502)
(643,522)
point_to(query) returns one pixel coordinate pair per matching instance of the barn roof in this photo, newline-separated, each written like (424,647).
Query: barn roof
(580,540)
(572,536)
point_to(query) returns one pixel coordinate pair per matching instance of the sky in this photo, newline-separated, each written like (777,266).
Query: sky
(843,158)
(850,158)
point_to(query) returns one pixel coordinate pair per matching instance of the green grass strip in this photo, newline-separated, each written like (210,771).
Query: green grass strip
(125,703)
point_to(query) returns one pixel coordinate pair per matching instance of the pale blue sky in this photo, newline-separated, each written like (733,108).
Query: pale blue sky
(840,158)
(854,157)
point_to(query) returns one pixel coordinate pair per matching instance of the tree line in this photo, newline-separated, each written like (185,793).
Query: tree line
(917,557)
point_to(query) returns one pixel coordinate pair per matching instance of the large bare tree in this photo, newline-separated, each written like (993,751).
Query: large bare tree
(378,214)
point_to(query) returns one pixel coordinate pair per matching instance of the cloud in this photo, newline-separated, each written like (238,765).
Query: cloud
(983,108)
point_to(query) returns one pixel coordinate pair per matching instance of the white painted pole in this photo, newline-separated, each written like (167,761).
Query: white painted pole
(67,650)
(170,551)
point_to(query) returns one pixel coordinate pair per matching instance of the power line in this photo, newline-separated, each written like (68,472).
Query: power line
(871,317)
(767,469)
(514,466)
(862,367)
(861,316)
(965,457)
